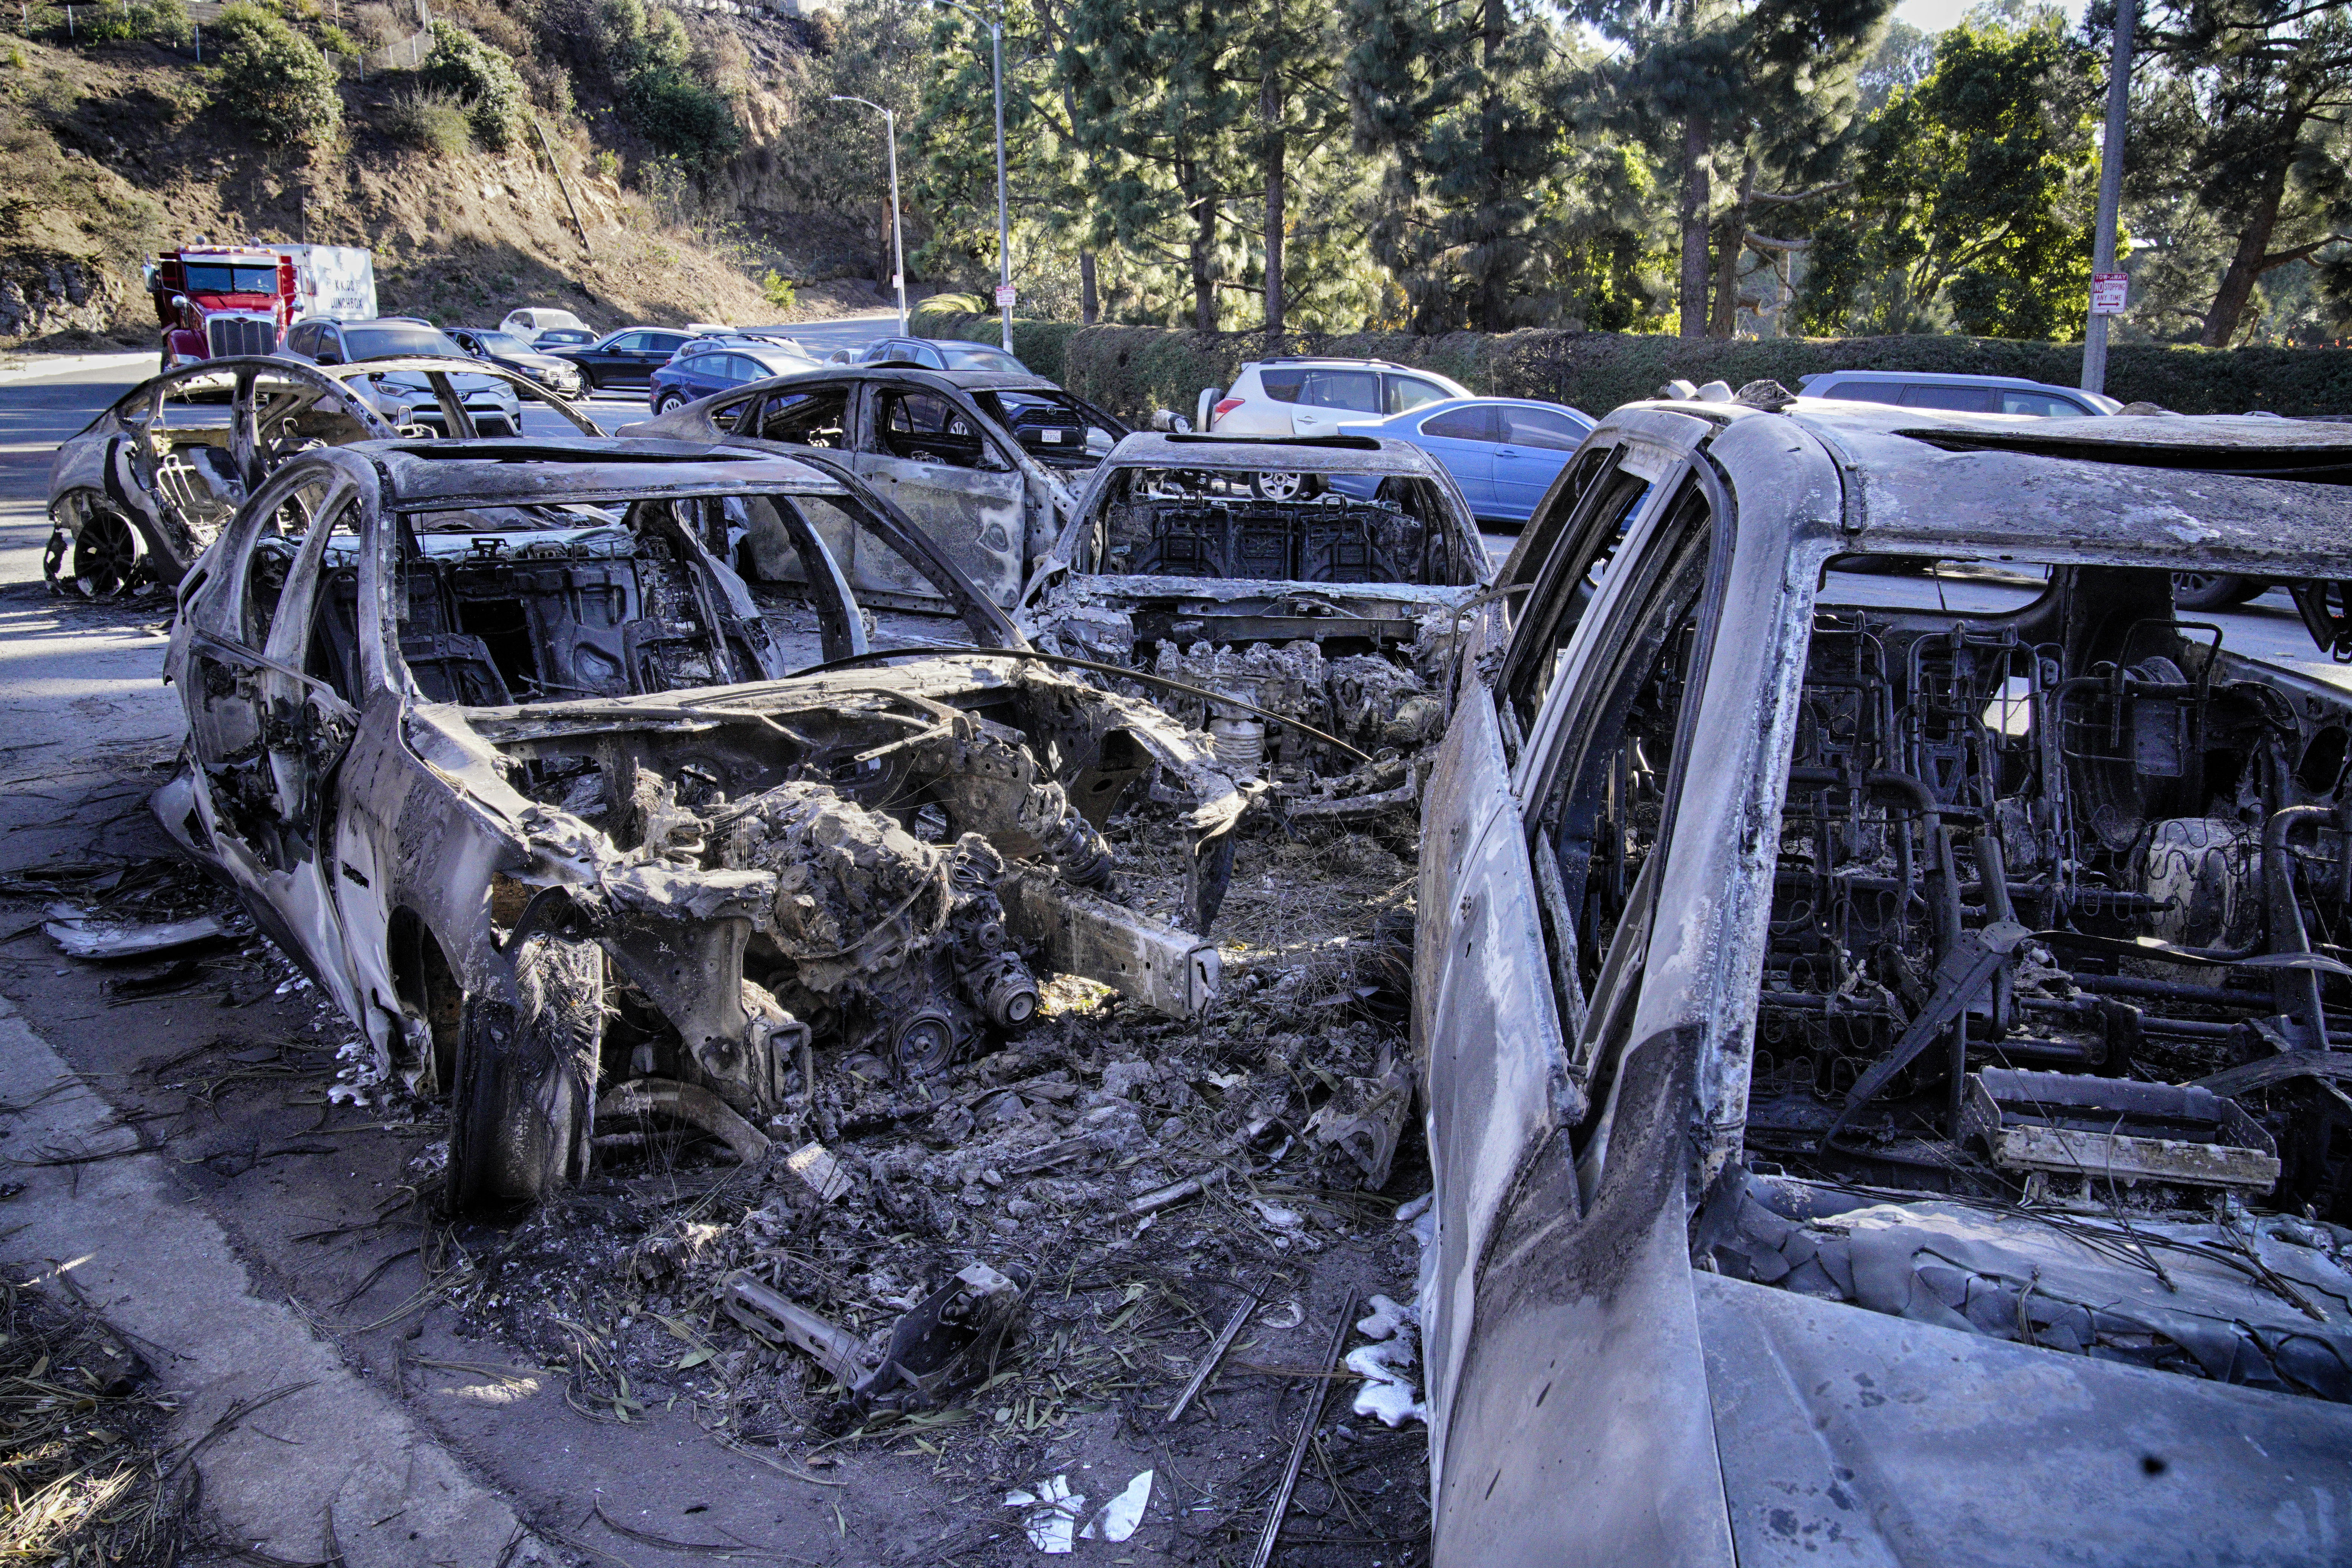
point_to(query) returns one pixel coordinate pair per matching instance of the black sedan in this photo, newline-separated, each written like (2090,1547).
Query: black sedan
(560,376)
(627,358)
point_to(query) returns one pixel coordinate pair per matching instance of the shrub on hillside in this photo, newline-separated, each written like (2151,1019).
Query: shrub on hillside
(483,78)
(158,22)
(428,119)
(778,290)
(683,115)
(272,80)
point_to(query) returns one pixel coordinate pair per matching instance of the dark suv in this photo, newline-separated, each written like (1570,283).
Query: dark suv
(627,358)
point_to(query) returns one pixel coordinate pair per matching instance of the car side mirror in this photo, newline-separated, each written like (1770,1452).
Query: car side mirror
(1164,420)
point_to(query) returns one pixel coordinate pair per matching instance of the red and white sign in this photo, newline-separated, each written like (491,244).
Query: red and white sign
(1005,296)
(2107,293)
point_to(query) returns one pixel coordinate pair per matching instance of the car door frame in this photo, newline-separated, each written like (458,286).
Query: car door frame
(995,566)
(1589,1269)
(1484,499)
(1507,505)
(304,728)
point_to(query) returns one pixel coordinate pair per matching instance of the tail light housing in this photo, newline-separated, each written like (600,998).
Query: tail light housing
(1225,406)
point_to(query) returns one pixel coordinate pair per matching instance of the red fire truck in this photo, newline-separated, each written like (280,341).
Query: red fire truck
(216,300)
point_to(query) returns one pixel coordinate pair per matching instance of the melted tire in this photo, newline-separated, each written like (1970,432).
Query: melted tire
(525,1081)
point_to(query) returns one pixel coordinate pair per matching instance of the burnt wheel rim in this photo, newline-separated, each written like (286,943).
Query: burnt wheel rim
(1278,487)
(105,557)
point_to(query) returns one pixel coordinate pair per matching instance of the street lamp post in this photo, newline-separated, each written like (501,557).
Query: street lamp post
(1003,229)
(2110,182)
(898,236)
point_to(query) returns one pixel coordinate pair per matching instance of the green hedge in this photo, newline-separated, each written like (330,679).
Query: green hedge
(1133,370)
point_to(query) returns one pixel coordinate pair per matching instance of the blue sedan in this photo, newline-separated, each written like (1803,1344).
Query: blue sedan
(712,368)
(1503,451)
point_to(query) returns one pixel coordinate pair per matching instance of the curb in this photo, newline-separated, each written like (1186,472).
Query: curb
(18,368)
(161,1268)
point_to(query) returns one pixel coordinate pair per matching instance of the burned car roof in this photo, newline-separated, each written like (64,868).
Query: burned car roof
(2215,491)
(429,475)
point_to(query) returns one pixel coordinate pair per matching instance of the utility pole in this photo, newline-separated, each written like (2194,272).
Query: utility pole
(897,238)
(2104,289)
(1003,229)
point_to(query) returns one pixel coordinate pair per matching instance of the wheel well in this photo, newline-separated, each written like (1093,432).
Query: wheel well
(427,983)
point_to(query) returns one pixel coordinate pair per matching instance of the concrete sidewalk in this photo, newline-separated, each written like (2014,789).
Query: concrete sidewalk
(340,1463)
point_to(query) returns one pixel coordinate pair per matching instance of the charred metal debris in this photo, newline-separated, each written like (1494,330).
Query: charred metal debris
(1331,593)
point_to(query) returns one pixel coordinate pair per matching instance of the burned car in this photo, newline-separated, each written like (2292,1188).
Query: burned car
(136,495)
(1325,579)
(986,462)
(494,746)
(1884,1038)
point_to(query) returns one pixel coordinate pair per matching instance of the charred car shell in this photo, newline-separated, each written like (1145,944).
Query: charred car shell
(986,462)
(1855,1027)
(495,747)
(136,495)
(1336,595)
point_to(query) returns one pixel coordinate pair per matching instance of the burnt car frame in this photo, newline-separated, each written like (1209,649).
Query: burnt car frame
(139,493)
(1877,1052)
(985,462)
(1340,601)
(493,745)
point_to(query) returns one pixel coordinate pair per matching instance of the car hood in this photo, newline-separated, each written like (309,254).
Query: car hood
(415,380)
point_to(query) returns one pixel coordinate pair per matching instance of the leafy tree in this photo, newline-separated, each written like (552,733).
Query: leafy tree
(2267,92)
(482,77)
(272,80)
(1767,88)
(1163,110)
(1973,196)
(1457,99)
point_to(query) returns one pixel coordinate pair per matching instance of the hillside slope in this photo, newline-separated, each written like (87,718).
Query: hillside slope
(109,151)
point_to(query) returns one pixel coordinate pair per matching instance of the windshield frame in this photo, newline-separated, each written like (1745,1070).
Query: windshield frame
(356,336)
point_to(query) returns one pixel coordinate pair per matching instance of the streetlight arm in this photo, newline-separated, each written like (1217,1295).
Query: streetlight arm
(897,232)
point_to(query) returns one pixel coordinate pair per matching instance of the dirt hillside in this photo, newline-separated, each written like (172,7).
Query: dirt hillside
(110,151)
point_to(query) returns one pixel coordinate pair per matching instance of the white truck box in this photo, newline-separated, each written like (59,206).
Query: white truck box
(337,280)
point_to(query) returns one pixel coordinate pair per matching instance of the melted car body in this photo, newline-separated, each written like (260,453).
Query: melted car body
(986,462)
(136,495)
(493,744)
(1326,581)
(1880,1036)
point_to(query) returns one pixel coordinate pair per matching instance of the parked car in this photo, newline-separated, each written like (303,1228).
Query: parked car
(136,495)
(627,359)
(985,461)
(1877,1053)
(1504,452)
(1957,393)
(710,365)
(934,354)
(406,397)
(1306,396)
(509,351)
(561,338)
(435,743)
(532,323)
(1335,615)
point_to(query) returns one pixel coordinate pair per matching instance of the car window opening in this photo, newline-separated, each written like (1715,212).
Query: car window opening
(1286,527)
(2165,818)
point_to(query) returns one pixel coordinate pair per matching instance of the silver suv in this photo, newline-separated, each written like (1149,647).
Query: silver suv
(1302,396)
(406,398)
(1958,393)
